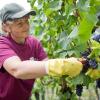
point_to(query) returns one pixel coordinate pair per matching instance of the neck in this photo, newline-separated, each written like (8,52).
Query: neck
(18,40)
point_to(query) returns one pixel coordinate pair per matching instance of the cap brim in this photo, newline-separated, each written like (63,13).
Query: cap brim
(23,13)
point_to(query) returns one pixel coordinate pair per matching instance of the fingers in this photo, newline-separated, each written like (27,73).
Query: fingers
(82,60)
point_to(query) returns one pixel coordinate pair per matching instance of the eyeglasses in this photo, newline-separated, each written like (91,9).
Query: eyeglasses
(22,20)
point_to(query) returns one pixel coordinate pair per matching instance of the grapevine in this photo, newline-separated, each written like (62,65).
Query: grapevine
(66,28)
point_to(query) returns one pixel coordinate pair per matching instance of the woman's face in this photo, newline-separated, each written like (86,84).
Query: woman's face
(19,28)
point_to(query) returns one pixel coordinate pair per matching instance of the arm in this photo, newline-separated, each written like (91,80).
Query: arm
(24,69)
(33,69)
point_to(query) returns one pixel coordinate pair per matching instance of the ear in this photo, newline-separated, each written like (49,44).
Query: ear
(5,27)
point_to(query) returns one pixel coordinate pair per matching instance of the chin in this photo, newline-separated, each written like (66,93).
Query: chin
(25,33)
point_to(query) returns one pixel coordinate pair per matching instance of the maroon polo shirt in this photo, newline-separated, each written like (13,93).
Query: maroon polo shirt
(10,87)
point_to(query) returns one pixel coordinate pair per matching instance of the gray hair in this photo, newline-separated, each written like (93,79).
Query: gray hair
(2,32)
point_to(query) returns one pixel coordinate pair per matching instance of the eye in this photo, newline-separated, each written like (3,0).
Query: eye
(19,24)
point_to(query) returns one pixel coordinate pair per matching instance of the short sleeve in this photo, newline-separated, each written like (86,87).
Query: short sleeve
(5,52)
(40,52)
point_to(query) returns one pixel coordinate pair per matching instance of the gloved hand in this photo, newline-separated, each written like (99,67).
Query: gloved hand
(93,73)
(59,67)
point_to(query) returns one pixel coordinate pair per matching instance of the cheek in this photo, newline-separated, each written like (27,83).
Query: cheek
(15,30)
(22,28)
(27,26)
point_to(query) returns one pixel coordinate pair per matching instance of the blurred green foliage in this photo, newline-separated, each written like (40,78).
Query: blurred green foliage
(64,27)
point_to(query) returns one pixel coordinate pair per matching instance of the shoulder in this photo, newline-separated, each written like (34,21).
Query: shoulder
(35,43)
(4,43)
(4,39)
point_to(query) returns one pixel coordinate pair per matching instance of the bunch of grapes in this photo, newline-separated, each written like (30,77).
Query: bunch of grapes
(89,63)
(86,53)
(96,37)
(79,89)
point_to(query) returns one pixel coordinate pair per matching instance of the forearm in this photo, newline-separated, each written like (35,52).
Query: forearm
(24,69)
(33,69)
(30,69)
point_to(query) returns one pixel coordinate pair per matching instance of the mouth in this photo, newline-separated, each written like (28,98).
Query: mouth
(25,31)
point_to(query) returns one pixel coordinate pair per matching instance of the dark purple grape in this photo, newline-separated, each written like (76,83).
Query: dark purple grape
(89,63)
(93,64)
(79,89)
(86,66)
(96,37)
(84,54)
(98,83)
